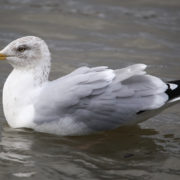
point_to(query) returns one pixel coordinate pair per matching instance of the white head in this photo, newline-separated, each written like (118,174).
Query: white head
(26,52)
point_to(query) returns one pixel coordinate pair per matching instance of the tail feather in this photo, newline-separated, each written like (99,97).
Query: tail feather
(173,90)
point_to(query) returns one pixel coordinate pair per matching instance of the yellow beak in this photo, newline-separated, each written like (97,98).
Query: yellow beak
(2,56)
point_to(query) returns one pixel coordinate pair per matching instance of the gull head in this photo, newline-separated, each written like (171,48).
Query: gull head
(26,52)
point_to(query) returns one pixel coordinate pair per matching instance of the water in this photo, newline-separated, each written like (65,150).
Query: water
(96,32)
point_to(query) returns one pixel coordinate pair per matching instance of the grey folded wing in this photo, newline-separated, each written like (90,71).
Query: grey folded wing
(100,98)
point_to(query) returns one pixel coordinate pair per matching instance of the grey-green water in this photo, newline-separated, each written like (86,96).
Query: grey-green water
(96,32)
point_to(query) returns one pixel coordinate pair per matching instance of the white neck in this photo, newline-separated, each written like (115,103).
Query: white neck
(20,92)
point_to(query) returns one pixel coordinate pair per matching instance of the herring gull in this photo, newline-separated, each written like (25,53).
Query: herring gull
(83,102)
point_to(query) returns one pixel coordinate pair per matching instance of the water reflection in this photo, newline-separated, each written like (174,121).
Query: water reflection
(69,155)
(124,152)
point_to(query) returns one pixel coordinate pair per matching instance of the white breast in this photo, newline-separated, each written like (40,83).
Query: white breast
(18,99)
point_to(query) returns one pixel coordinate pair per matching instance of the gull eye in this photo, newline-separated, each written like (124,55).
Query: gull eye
(22,48)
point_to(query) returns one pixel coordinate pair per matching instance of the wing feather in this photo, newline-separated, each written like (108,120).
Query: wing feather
(100,98)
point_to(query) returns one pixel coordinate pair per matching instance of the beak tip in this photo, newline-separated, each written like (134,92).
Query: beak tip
(2,56)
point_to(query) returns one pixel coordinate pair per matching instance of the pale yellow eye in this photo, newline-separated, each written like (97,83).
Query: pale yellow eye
(22,48)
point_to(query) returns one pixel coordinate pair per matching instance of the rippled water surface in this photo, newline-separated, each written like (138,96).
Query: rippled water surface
(96,32)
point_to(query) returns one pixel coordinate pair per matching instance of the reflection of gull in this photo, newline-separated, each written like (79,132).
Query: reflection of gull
(85,101)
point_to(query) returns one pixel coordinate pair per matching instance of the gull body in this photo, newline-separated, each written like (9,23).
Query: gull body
(85,101)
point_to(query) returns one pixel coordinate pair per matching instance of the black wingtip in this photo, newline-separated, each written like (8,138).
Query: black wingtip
(173,92)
